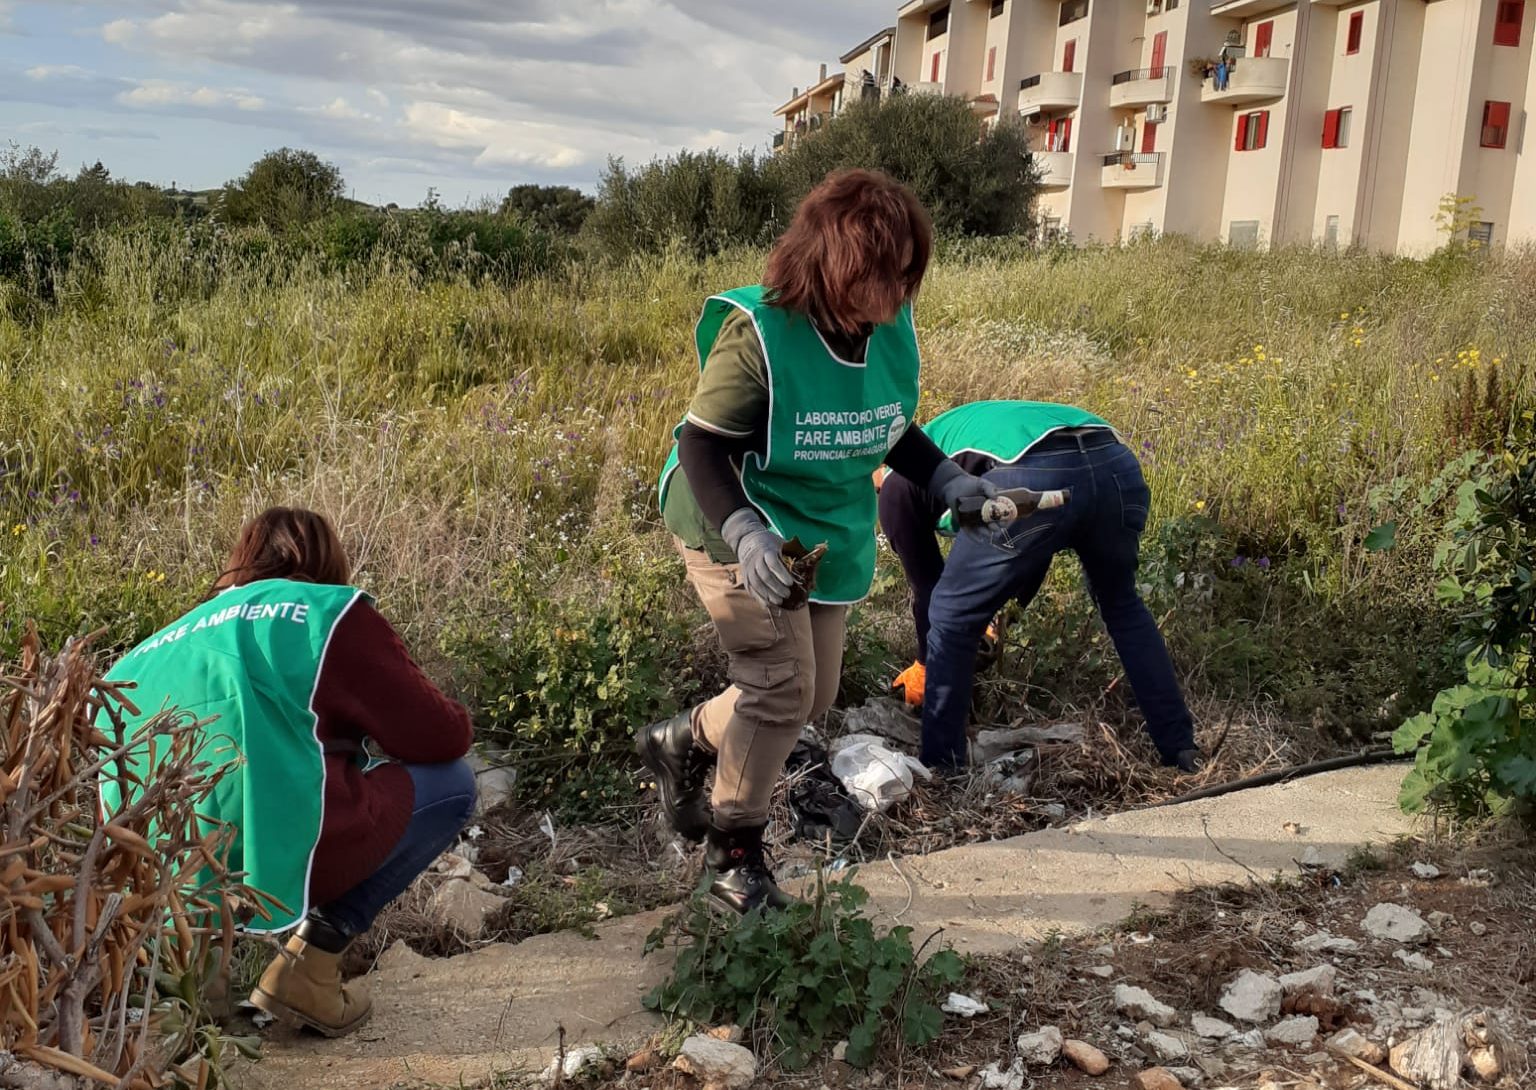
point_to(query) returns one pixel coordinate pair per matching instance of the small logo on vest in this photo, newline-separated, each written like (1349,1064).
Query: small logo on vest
(894,432)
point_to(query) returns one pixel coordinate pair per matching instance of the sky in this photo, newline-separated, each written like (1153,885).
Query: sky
(469,97)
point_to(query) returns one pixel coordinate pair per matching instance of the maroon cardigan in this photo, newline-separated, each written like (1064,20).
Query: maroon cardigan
(369,686)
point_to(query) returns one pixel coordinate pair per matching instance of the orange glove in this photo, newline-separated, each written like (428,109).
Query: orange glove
(911,682)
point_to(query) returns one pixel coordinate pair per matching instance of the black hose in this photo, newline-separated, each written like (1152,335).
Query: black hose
(1285,775)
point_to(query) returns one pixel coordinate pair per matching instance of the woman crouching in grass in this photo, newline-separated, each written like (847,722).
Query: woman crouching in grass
(808,383)
(294,669)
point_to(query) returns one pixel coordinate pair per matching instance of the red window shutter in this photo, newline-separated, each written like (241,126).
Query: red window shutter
(1495,124)
(938,55)
(1050,135)
(1159,53)
(1263,129)
(1148,138)
(992,62)
(1242,131)
(1356,31)
(1066,134)
(1262,37)
(1069,55)
(1331,129)
(1508,22)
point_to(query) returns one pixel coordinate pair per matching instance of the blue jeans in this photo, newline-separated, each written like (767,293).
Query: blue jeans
(1102,524)
(445,801)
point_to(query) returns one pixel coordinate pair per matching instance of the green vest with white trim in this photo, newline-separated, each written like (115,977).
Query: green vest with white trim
(247,663)
(831,424)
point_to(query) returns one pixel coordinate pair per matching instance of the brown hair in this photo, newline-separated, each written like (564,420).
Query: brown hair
(286,543)
(856,251)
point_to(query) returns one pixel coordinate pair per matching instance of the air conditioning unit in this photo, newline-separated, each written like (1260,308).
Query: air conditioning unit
(1154,7)
(1125,138)
(1157,113)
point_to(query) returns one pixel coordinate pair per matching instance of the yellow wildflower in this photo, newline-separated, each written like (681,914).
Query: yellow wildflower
(19,529)
(1199,505)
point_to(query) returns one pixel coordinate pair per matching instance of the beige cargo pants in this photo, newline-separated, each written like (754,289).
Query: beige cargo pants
(784,670)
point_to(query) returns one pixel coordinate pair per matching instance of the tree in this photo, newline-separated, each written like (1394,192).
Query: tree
(972,182)
(284,188)
(559,209)
(705,201)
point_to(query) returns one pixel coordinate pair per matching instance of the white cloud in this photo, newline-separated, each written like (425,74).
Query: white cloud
(338,109)
(159,92)
(57,71)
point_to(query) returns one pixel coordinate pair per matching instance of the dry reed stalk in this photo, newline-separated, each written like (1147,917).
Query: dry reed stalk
(104,921)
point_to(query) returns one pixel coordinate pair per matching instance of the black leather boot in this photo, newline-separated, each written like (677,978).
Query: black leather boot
(742,880)
(679,765)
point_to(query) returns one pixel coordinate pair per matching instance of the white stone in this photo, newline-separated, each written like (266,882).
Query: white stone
(717,1062)
(1478,928)
(1253,1040)
(1167,1047)
(1311,858)
(1318,981)
(1041,1047)
(1394,923)
(1324,943)
(1103,972)
(459,905)
(1139,1003)
(964,1005)
(994,1077)
(1187,1076)
(1351,1043)
(576,1061)
(840,1052)
(1213,1028)
(1293,1031)
(1414,960)
(1427,871)
(1253,997)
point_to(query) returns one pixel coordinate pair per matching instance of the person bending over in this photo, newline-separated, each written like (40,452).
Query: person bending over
(294,669)
(1030,444)
(808,382)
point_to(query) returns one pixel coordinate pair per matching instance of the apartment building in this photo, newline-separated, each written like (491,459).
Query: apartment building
(1340,122)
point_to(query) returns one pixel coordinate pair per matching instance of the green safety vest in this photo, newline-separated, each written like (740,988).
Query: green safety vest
(248,661)
(1004,430)
(830,426)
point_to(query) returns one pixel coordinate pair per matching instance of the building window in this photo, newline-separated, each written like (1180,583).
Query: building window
(1072,11)
(1069,55)
(1495,124)
(1171,5)
(1336,127)
(1356,32)
(1331,233)
(1508,21)
(1252,131)
(992,63)
(1148,137)
(1480,234)
(1243,234)
(998,6)
(1058,134)
(1263,38)
(938,23)
(938,59)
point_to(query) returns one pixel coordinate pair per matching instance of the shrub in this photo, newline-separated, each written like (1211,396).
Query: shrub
(284,188)
(814,973)
(1475,749)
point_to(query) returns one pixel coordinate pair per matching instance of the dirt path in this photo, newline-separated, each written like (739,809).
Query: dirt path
(501,1008)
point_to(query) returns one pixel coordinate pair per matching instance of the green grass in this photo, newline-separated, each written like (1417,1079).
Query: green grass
(464,436)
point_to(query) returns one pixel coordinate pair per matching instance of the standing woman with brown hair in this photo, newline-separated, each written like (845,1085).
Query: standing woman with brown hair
(293,669)
(809,382)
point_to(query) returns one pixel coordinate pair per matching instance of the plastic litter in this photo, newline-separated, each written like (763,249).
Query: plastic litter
(818,801)
(876,776)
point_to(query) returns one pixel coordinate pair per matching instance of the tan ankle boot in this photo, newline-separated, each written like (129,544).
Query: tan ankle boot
(302,987)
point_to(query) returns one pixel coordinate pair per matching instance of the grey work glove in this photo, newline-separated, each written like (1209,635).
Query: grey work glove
(951,484)
(760,553)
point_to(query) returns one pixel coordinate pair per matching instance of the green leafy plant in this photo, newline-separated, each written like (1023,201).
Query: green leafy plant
(815,973)
(1475,749)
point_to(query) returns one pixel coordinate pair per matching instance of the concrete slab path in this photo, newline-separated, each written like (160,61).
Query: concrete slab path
(502,1008)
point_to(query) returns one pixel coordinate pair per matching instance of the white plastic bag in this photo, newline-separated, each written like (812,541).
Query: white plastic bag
(875,775)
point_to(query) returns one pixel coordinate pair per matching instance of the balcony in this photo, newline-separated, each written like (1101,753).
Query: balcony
(1238,9)
(926,87)
(1252,79)
(1050,91)
(1055,168)
(1133,170)
(1141,87)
